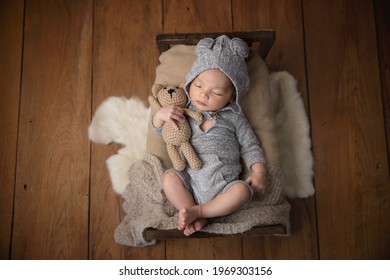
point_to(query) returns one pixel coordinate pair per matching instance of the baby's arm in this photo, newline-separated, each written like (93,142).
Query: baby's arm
(252,155)
(257,180)
(171,114)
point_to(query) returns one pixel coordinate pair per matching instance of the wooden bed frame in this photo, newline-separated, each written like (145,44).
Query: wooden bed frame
(260,40)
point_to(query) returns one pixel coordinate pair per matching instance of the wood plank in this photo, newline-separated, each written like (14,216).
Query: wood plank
(11,38)
(224,248)
(197,16)
(285,17)
(287,54)
(191,16)
(382,12)
(299,245)
(125,58)
(51,203)
(352,177)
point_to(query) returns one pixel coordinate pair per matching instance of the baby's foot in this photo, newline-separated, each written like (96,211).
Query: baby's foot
(186,217)
(195,226)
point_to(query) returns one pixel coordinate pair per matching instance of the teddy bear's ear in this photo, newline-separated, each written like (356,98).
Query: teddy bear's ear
(156,88)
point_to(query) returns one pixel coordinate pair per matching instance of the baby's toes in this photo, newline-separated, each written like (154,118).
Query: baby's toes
(190,229)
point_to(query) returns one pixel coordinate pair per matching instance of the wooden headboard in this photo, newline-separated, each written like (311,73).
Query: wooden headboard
(262,40)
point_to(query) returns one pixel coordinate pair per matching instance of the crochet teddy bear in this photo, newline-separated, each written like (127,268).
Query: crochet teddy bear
(163,95)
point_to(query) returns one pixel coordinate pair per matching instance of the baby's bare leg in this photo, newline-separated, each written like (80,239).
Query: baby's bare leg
(178,195)
(226,203)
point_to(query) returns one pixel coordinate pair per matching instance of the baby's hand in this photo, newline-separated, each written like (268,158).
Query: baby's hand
(171,114)
(257,180)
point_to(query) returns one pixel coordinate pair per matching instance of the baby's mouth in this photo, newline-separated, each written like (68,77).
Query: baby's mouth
(201,103)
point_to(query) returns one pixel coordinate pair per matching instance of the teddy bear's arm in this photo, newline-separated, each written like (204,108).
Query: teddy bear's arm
(153,103)
(195,115)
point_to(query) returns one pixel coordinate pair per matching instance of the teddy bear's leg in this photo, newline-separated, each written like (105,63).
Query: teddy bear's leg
(175,157)
(191,156)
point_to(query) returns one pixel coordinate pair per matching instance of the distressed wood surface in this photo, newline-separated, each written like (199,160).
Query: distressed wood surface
(352,177)
(61,59)
(51,195)
(197,16)
(125,58)
(11,38)
(382,10)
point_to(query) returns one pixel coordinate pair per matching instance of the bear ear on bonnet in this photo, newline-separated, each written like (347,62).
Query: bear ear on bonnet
(239,47)
(205,45)
(236,45)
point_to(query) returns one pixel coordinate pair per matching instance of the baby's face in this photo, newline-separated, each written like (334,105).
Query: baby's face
(211,90)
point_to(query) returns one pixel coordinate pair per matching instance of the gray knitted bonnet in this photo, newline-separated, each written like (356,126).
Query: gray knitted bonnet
(227,55)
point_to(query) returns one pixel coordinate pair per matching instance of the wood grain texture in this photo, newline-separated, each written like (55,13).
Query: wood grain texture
(382,12)
(283,16)
(352,178)
(125,58)
(219,248)
(197,16)
(51,203)
(301,244)
(11,40)
(50,65)
(287,54)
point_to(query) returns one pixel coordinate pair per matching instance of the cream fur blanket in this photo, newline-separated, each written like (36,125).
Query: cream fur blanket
(136,175)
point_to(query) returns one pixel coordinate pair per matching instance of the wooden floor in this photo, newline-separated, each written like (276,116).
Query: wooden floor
(60,59)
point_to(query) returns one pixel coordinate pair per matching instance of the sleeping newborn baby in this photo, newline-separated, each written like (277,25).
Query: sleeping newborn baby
(215,86)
